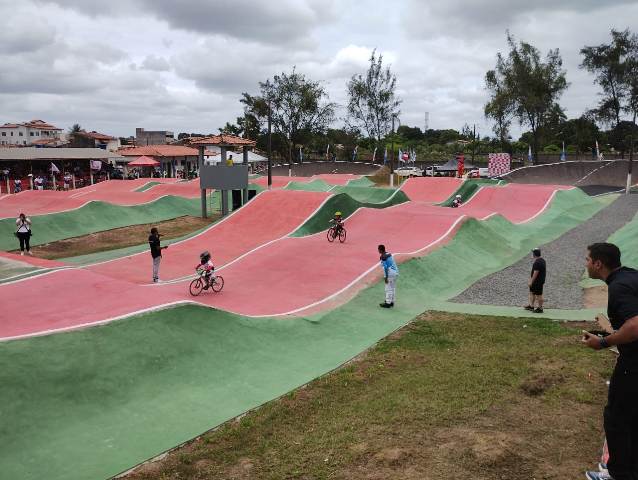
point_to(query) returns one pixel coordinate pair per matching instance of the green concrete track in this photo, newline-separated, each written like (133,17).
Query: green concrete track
(347,205)
(313,186)
(89,404)
(627,240)
(95,217)
(147,186)
(469,188)
(361,182)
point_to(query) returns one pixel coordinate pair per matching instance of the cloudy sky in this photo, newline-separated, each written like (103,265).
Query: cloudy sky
(182,65)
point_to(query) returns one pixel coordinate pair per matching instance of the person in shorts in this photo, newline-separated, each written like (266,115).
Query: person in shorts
(536,282)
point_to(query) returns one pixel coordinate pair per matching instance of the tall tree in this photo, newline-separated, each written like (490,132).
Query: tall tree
(75,128)
(299,106)
(609,63)
(531,87)
(498,108)
(372,101)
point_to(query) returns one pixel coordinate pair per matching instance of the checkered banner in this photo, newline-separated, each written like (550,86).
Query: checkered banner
(499,164)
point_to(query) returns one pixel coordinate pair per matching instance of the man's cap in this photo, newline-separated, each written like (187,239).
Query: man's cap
(537,252)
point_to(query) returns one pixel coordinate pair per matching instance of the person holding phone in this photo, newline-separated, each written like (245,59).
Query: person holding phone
(156,252)
(23,232)
(621,412)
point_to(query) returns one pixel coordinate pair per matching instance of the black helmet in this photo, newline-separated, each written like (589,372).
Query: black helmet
(204,256)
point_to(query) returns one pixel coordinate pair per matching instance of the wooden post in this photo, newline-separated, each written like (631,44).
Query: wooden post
(245,162)
(91,172)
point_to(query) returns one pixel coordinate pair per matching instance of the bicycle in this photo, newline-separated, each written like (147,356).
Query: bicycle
(216,283)
(332,234)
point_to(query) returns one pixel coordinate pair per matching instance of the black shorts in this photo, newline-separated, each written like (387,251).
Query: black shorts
(536,288)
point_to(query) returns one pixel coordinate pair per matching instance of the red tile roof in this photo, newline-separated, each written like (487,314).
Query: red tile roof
(224,140)
(95,135)
(10,125)
(32,124)
(159,151)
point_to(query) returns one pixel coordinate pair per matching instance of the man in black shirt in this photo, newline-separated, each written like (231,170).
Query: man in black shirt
(621,412)
(156,252)
(536,282)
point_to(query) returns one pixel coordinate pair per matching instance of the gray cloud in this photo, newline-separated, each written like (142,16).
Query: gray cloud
(284,21)
(156,64)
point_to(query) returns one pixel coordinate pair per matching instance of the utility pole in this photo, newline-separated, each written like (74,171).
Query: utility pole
(473,142)
(392,156)
(631,161)
(269,145)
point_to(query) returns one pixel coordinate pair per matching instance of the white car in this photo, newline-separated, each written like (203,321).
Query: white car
(409,172)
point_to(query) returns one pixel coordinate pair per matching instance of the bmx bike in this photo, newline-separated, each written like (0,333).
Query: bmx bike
(333,233)
(216,283)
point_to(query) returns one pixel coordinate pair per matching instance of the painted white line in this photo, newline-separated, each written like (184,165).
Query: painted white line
(80,194)
(39,275)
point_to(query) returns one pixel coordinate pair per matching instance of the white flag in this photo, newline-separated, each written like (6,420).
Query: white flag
(54,169)
(374,154)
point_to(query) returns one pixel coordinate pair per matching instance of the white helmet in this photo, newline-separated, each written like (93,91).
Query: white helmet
(458,196)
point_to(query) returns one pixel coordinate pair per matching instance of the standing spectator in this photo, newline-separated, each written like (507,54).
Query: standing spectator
(229,160)
(390,274)
(621,412)
(156,252)
(17,185)
(536,282)
(23,232)
(67,181)
(39,183)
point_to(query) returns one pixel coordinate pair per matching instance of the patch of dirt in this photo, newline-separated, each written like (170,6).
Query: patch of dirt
(242,470)
(541,382)
(595,297)
(120,237)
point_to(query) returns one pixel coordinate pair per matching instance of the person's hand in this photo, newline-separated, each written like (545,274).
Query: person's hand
(591,341)
(165,247)
(386,279)
(529,284)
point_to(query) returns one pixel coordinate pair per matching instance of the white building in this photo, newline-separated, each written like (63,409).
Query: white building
(24,134)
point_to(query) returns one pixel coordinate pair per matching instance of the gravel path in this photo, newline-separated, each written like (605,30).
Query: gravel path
(565,259)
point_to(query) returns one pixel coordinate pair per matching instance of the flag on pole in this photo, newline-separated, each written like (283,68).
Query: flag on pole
(354,153)
(328,152)
(300,155)
(54,169)
(529,155)
(374,154)
(562,154)
(385,156)
(400,156)
(598,154)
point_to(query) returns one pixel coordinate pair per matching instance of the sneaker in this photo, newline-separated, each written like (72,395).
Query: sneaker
(530,308)
(385,305)
(592,475)
(392,304)
(22,253)
(602,468)
(155,280)
(538,310)
(29,253)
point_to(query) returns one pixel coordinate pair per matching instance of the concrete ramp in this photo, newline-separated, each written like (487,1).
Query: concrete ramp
(609,173)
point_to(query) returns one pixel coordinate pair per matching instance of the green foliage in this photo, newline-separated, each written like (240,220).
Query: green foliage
(372,101)
(527,86)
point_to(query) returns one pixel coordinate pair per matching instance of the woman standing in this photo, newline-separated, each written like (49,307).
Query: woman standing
(23,223)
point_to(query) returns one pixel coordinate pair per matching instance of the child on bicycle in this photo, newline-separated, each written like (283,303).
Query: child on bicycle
(338,223)
(457,202)
(206,264)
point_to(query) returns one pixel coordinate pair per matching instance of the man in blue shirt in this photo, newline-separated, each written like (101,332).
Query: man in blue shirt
(390,274)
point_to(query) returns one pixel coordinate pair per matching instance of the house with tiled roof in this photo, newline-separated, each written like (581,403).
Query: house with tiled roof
(172,158)
(93,139)
(25,134)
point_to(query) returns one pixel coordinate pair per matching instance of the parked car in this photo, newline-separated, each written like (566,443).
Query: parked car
(409,172)
(482,172)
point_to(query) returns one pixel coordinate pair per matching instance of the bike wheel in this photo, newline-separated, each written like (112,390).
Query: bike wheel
(196,287)
(218,284)
(342,235)
(331,235)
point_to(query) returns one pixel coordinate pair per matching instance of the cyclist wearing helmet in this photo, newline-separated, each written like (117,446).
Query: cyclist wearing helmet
(457,201)
(338,223)
(206,263)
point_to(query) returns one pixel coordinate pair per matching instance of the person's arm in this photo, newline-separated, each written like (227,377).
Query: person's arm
(626,334)
(28,221)
(533,278)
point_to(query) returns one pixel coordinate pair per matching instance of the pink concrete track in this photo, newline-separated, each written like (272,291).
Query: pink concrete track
(529,201)
(287,276)
(118,192)
(267,217)
(429,189)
